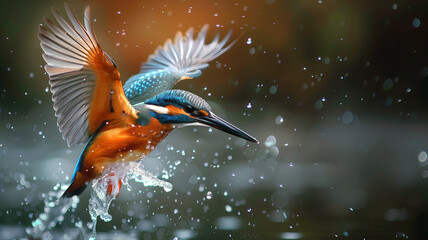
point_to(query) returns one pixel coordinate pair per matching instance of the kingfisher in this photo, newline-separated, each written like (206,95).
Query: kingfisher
(123,123)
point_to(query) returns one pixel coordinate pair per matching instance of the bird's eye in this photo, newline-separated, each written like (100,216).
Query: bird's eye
(192,111)
(189,109)
(196,113)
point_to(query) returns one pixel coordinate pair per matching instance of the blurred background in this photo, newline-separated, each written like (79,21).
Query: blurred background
(335,91)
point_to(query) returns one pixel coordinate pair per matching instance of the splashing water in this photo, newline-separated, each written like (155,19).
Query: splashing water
(106,188)
(54,211)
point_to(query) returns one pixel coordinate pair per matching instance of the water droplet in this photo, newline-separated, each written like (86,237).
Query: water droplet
(284,215)
(388,84)
(347,117)
(388,101)
(270,141)
(279,120)
(228,208)
(209,195)
(273,90)
(252,51)
(274,151)
(416,22)
(326,60)
(304,86)
(249,105)
(318,104)
(249,41)
(422,157)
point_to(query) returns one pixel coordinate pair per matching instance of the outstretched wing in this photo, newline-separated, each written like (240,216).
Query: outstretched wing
(85,84)
(183,59)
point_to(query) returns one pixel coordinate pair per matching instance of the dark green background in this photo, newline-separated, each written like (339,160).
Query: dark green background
(341,177)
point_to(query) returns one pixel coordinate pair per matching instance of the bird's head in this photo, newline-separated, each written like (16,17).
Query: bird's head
(184,108)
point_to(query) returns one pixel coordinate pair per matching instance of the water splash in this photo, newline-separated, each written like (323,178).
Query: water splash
(54,211)
(106,188)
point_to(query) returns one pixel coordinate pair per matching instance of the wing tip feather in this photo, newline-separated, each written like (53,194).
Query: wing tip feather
(170,55)
(57,35)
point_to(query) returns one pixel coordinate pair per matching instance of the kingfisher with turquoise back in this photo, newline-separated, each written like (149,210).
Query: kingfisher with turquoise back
(123,123)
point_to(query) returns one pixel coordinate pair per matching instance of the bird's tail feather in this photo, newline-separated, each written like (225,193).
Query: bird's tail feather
(70,193)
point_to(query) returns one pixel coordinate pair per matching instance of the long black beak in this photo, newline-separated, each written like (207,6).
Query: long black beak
(216,122)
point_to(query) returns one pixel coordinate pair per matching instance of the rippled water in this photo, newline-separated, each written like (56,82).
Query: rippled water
(266,197)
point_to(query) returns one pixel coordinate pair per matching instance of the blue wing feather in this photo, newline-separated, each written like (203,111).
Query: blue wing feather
(82,155)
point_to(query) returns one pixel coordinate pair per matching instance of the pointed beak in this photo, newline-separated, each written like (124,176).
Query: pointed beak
(216,122)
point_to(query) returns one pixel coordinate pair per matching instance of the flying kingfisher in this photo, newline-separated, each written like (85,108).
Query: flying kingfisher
(121,124)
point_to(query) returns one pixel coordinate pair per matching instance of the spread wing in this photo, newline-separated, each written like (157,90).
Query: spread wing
(85,84)
(182,59)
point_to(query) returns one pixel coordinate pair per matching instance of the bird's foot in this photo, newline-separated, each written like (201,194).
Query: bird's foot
(110,186)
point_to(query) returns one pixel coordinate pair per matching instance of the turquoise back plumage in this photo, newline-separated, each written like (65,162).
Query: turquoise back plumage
(143,86)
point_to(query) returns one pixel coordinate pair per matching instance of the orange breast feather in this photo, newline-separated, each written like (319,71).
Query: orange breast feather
(122,144)
(109,101)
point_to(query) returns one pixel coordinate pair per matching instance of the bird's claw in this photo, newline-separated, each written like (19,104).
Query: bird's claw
(110,186)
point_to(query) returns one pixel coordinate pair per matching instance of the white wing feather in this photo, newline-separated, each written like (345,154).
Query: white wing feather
(182,59)
(187,56)
(66,52)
